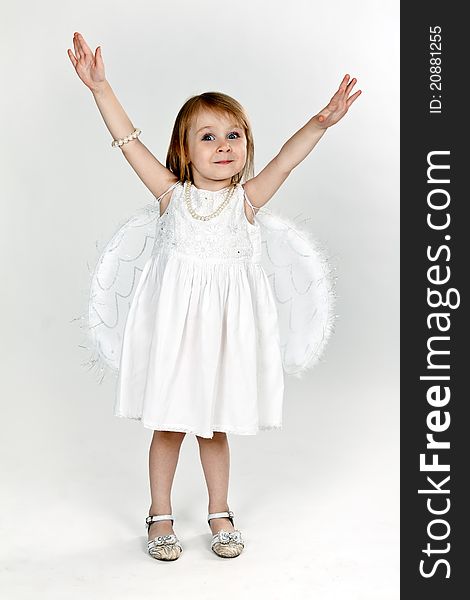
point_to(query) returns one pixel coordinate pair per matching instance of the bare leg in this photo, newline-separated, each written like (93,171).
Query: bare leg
(163,458)
(215,459)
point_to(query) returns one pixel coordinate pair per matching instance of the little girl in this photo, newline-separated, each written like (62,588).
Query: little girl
(200,351)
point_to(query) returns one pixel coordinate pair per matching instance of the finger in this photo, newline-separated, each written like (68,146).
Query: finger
(84,46)
(76,46)
(72,57)
(342,88)
(98,55)
(350,86)
(355,96)
(342,85)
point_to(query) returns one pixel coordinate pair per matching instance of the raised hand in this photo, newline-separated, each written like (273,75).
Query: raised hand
(88,66)
(339,104)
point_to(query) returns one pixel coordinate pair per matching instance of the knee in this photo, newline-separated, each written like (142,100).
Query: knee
(218,436)
(169,436)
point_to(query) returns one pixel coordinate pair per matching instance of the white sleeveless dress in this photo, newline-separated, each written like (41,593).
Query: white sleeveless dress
(201,345)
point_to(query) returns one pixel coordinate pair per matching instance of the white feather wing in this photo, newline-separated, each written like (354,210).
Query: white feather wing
(113,284)
(303,282)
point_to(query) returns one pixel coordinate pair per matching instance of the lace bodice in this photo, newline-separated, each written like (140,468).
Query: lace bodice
(227,236)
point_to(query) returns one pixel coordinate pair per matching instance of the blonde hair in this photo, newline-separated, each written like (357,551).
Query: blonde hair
(222,104)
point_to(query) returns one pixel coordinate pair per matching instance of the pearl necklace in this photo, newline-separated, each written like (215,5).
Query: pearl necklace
(187,193)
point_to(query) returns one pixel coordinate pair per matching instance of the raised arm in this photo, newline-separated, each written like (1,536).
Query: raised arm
(90,68)
(261,188)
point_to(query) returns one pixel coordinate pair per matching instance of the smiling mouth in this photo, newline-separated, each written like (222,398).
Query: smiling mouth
(223,162)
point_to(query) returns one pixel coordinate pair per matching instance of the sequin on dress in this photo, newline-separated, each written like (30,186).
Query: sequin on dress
(201,346)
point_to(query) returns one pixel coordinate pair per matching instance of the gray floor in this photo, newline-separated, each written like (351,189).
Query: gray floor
(317,504)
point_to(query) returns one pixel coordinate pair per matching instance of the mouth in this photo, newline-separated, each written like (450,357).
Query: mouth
(223,162)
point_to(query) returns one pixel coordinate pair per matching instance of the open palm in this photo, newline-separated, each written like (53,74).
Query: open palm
(88,66)
(339,104)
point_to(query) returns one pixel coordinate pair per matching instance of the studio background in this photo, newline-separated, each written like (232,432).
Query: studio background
(318,501)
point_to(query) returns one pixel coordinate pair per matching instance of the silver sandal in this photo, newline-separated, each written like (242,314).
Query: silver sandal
(227,544)
(163,547)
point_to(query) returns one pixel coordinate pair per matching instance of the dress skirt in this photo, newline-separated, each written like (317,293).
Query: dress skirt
(201,348)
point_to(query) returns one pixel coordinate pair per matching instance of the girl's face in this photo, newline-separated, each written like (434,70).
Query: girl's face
(217,150)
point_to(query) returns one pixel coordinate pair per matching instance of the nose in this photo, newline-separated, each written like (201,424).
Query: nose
(224,147)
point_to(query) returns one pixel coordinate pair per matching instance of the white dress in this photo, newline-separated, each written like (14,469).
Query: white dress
(201,346)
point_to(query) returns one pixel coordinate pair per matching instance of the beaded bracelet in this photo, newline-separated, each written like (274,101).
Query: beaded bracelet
(135,134)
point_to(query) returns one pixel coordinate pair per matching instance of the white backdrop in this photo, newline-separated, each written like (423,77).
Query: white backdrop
(317,502)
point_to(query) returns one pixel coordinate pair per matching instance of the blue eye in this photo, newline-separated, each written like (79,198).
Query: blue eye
(231,133)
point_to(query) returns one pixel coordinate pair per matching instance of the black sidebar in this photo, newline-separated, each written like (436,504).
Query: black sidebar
(435,258)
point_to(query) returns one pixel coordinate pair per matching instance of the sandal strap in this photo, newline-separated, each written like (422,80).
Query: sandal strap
(154,518)
(218,515)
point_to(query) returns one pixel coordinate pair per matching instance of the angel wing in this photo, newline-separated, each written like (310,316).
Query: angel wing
(112,287)
(297,267)
(303,282)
